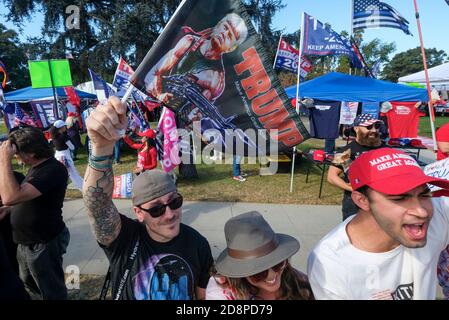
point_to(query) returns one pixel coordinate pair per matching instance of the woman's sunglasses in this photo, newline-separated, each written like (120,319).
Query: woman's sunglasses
(264,274)
(375,125)
(159,210)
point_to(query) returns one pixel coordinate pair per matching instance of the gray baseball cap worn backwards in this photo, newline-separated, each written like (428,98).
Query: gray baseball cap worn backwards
(150,185)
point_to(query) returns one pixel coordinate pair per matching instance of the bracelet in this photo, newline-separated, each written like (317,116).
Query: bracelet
(100,166)
(100,158)
(94,162)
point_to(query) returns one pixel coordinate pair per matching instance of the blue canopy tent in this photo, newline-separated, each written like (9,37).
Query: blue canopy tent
(343,87)
(29,94)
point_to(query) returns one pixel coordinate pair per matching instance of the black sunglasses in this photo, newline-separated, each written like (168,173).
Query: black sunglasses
(159,210)
(375,125)
(264,274)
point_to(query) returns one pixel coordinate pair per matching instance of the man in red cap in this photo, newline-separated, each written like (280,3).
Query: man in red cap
(390,248)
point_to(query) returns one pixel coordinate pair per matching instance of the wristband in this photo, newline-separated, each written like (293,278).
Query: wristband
(97,162)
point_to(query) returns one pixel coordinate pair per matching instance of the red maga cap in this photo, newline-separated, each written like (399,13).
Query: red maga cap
(149,133)
(389,171)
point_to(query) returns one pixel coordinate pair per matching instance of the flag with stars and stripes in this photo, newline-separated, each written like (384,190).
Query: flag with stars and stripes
(377,14)
(23,118)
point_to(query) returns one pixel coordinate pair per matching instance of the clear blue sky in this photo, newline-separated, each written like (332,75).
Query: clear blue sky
(434,21)
(434,16)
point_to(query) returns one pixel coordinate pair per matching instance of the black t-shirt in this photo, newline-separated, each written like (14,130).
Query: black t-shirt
(39,220)
(160,271)
(348,206)
(59,141)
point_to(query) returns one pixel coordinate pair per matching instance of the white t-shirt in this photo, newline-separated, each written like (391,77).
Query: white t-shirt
(338,270)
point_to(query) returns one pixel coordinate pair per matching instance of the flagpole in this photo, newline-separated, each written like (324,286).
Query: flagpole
(55,106)
(277,51)
(297,95)
(352,29)
(430,105)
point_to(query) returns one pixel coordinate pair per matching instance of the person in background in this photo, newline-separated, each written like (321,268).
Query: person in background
(367,138)
(442,137)
(237,173)
(256,264)
(73,131)
(6,233)
(62,144)
(36,211)
(147,153)
(117,152)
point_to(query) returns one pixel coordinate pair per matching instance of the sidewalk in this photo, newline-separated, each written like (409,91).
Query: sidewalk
(307,223)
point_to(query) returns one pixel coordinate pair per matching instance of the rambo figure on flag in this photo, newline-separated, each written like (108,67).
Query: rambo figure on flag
(199,56)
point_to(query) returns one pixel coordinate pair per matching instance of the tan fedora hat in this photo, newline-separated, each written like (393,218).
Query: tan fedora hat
(252,246)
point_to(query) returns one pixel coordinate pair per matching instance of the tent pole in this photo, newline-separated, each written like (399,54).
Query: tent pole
(297,96)
(430,104)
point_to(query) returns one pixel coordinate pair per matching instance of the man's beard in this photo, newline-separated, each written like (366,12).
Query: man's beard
(370,139)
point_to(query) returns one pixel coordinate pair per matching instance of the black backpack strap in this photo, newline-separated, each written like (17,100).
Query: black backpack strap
(106,284)
(129,264)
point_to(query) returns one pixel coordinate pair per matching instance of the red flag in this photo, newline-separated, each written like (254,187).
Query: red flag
(5,74)
(76,101)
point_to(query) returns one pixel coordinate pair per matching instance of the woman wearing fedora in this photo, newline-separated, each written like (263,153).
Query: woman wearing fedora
(255,265)
(147,153)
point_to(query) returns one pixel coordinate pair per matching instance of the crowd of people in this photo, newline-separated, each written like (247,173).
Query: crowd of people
(393,238)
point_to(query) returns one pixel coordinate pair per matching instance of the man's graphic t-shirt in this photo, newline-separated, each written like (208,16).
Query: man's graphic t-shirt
(161,271)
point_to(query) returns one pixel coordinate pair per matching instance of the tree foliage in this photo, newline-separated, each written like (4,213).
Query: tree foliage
(12,55)
(411,61)
(109,29)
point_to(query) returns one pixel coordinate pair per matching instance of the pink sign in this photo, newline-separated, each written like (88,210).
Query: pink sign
(167,126)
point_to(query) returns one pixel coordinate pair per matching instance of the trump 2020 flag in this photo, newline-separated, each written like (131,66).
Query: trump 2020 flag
(122,75)
(287,59)
(209,63)
(101,87)
(43,110)
(376,14)
(320,40)
(123,186)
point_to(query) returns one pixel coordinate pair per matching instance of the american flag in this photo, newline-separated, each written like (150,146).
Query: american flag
(22,118)
(376,14)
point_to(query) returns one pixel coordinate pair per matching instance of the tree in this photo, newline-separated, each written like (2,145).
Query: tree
(13,56)
(110,29)
(107,30)
(410,61)
(262,13)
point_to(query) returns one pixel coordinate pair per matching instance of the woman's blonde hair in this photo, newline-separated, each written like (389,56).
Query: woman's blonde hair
(294,286)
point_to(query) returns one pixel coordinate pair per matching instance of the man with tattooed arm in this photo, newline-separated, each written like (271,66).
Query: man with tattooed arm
(155,257)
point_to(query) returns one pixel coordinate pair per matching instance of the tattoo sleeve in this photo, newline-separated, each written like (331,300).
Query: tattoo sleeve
(103,215)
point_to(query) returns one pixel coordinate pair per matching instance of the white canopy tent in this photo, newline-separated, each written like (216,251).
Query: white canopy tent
(438,77)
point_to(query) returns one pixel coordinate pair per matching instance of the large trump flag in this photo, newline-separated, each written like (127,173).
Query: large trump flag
(208,64)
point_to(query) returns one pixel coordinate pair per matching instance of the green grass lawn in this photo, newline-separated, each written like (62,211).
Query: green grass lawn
(424,125)
(215,181)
